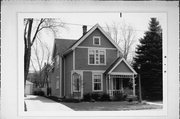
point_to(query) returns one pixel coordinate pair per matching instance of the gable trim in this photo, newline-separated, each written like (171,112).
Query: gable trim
(125,63)
(96,47)
(87,34)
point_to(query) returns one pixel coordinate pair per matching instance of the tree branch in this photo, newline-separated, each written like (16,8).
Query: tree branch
(37,30)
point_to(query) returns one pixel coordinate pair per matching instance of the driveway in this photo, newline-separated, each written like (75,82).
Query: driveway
(38,103)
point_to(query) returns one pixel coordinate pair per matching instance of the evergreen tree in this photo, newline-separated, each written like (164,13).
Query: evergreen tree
(149,58)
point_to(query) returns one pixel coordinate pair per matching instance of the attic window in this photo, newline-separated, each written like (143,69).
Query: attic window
(96,40)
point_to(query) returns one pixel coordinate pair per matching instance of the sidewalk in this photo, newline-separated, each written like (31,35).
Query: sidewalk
(38,103)
(155,103)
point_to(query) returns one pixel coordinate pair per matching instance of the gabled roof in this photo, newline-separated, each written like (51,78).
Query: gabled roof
(116,63)
(61,45)
(87,34)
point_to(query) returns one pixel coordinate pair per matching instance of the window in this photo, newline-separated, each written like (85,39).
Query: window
(76,82)
(57,84)
(97,82)
(96,40)
(97,57)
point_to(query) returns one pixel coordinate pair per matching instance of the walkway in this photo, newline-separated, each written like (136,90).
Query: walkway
(38,103)
(155,103)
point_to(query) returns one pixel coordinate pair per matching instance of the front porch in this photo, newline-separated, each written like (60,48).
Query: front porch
(119,76)
(120,84)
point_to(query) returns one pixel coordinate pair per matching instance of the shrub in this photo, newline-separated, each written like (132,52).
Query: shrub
(87,97)
(96,96)
(39,92)
(92,97)
(71,100)
(119,97)
(105,97)
(131,98)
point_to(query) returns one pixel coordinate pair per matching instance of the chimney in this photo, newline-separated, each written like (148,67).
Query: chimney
(84,29)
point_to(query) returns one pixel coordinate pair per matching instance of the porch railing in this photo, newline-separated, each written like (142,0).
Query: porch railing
(115,92)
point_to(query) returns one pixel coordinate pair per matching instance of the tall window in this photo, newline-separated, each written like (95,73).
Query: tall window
(97,57)
(97,82)
(96,40)
(76,82)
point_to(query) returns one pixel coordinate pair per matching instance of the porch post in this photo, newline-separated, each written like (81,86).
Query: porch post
(134,92)
(121,83)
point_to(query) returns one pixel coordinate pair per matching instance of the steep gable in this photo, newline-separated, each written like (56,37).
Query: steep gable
(121,66)
(87,35)
(104,41)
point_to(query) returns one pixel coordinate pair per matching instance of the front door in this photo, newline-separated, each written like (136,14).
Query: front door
(117,83)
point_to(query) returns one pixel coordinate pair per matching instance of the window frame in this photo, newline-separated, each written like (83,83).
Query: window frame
(74,88)
(94,37)
(93,83)
(95,57)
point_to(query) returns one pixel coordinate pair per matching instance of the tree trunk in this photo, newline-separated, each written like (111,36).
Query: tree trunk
(27,56)
(27,48)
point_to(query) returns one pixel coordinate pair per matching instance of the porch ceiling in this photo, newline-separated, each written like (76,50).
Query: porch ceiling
(121,76)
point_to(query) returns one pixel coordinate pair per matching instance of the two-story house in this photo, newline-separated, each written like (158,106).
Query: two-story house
(93,63)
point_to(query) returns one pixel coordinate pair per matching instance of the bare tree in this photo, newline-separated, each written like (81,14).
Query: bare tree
(39,60)
(31,30)
(123,35)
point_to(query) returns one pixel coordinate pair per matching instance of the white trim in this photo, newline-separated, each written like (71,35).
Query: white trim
(121,73)
(93,71)
(71,82)
(72,86)
(104,48)
(60,78)
(122,59)
(64,78)
(57,83)
(99,40)
(134,88)
(94,49)
(82,87)
(92,29)
(73,59)
(53,49)
(97,73)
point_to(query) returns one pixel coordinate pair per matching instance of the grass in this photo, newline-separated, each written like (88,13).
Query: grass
(110,106)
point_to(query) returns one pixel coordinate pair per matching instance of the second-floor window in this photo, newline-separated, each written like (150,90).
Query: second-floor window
(96,40)
(97,57)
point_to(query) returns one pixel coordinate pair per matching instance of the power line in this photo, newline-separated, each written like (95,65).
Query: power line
(76,24)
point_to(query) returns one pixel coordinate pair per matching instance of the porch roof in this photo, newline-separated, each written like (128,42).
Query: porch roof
(120,67)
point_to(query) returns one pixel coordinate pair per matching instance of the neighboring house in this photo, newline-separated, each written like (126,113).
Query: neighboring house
(29,88)
(93,63)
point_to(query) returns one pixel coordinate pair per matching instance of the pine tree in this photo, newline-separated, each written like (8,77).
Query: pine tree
(149,57)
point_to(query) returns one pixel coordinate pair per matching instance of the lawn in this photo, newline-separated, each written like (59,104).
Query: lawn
(110,106)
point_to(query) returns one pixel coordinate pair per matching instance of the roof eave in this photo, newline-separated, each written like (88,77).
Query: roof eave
(67,52)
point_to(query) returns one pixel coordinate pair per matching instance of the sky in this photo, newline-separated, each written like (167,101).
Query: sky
(74,22)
